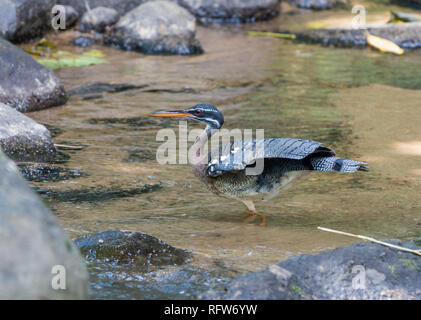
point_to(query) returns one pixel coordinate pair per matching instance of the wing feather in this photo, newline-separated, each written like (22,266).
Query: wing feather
(238,154)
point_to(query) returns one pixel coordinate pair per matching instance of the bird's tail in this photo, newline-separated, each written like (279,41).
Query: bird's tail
(337,164)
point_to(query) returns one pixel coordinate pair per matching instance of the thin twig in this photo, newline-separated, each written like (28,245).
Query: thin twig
(417,252)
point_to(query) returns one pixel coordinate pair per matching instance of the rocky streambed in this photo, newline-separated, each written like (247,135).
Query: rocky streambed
(92,161)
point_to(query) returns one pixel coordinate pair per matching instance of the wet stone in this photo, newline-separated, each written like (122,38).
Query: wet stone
(317,4)
(46,173)
(23,139)
(388,274)
(121,6)
(231,11)
(22,20)
(156,27)
(405,35)
(31,242)
(85,41)
(29,85)
(98,19)
(180,282)
(134,265)
(130,247)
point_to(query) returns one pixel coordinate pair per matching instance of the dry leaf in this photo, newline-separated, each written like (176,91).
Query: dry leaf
(383,45)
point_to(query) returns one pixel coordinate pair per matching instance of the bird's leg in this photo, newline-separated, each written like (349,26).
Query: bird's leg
(253,213)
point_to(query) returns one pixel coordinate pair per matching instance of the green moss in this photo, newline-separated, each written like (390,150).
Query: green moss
(298,290)
(68,245)
(409,263)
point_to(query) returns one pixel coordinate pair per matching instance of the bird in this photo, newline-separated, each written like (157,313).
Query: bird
(224,169)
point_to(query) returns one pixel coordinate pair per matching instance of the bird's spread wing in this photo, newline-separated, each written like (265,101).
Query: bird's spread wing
(238,154)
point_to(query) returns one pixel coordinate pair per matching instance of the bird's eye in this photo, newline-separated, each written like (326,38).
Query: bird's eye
(198,112)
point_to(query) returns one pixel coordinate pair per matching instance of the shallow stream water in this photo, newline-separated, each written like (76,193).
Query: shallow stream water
(364,104)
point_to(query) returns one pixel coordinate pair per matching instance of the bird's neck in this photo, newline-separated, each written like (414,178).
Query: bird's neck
(199,145)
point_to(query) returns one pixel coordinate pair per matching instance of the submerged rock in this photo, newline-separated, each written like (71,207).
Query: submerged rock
(121,6)
(130,247)
(29,86)
(134,265)
(101,87)
(23,139)
(157,27)
(361,271)
(32,243)
(405,35)
(317,4)
(171,282)
(133,123)
(87,39)
(98,19)
(232,10)
(23,20)
(45,172)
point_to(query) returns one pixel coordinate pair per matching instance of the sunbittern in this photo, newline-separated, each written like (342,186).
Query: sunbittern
(284,159)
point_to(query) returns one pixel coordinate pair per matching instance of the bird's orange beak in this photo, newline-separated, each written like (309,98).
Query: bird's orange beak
(173,114)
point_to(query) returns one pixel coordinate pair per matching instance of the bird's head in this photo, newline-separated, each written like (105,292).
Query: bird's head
(203,112)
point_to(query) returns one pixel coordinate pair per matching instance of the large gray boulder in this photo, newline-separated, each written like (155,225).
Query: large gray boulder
(98,19)
(361,271)
(121,6)
(406,35)
(23,139)
(33,246)
(232,10)
(156,27)
(23,20)
(29,86)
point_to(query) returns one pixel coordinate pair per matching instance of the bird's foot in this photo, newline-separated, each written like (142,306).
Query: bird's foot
(252,215)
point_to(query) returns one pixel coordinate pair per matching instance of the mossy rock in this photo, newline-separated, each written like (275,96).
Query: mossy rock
(130,248)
